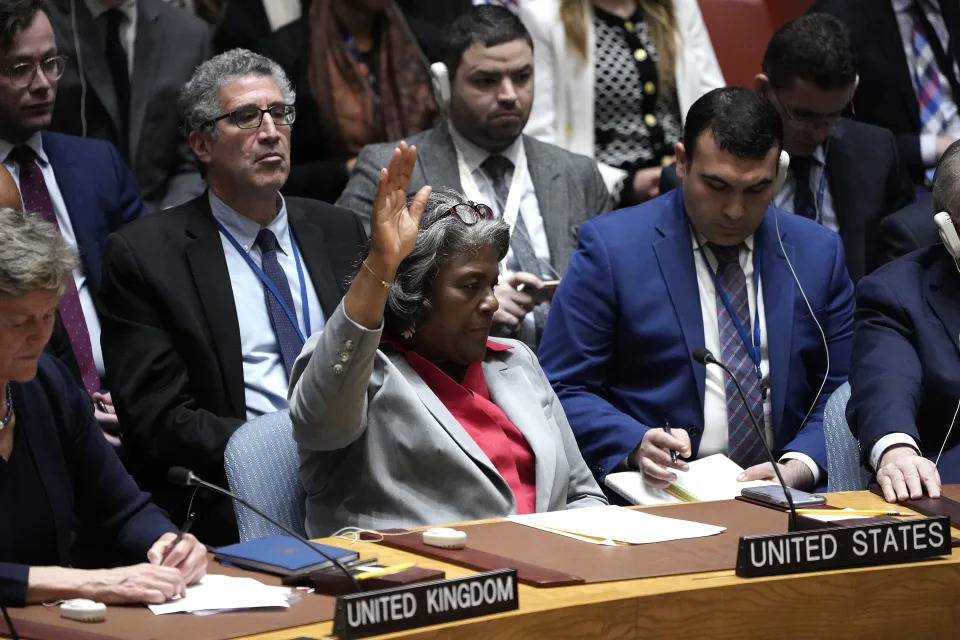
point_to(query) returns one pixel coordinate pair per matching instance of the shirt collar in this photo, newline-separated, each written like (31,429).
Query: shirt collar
(474,156)
(128,8)
(35,142)
(244,230)
(697,236)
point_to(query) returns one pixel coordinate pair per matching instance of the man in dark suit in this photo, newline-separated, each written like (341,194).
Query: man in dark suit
(490,58)
(122,83)
(708,265)
(905,376)
(846,175)
(207,305)
(81,185)
(908,229)
(909,78)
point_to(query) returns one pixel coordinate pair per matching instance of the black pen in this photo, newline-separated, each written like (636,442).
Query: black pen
(673,454)
(176,541)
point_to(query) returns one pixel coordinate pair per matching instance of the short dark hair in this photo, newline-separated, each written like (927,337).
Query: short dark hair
(485,24)
(15,16)
(742,122)
(946,182)
(815,48)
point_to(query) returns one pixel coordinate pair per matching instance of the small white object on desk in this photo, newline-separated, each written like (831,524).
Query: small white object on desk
(445,538)
(83,610)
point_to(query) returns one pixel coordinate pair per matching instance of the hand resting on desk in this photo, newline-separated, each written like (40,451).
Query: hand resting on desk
(796,474)
(903,474)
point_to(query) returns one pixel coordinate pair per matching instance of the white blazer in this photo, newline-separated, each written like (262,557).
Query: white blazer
(562,111)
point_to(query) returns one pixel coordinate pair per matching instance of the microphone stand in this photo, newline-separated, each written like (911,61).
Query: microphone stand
(6,617)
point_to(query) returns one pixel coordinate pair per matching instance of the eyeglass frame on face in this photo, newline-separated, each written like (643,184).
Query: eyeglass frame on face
(818,122)
(479,210)
(36,66)
(290,116)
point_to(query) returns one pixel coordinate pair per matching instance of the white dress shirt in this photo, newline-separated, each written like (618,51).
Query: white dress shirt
(35,142)
(471,157)
(715,438)
(281,12)
(928,141)
(264,375)
(826,215)
(128,30)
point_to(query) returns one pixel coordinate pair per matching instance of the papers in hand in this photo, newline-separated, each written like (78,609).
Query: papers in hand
(215,593)
(615,525)
(710,478)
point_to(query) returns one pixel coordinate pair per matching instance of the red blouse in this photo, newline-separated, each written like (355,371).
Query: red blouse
(469,403)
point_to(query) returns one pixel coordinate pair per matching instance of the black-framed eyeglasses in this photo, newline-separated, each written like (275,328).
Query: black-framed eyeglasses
(250,116)
(815,121)
(470,213)
(22,74)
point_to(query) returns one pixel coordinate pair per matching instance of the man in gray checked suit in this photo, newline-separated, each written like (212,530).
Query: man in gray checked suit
(544,192)
(134,55)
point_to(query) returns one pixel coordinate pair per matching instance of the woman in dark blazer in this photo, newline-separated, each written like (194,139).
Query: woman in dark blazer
(56,469)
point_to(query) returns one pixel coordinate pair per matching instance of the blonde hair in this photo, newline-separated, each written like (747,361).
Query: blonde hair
(35,256)
(660,17)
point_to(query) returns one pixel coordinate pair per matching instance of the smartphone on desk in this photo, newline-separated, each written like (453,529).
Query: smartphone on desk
(774,496)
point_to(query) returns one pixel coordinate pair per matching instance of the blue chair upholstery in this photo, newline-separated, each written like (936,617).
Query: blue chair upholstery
(844,471)
(262,465)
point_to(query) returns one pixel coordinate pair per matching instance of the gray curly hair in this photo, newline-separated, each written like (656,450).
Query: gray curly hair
(199,99)
(441,237)
(35,257)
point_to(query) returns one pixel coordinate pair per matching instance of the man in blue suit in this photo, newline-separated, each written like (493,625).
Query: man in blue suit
(83,186)
(905,376)
(650,284)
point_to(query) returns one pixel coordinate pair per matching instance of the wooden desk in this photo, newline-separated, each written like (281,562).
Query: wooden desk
(910,601)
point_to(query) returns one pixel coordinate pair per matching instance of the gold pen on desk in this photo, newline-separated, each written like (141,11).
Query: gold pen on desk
(849,512)
(394,568)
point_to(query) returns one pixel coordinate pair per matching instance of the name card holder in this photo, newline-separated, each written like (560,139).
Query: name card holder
(359,615)
(843,547)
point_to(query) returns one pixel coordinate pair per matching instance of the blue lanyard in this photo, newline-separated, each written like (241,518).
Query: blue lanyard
(821,190)
(273,289)
(753,346)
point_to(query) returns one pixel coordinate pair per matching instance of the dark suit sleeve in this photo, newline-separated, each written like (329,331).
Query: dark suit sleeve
(130,204)
(836,320)
(158,414)
(576,352)
(886,377)
(897,238)
(909,146)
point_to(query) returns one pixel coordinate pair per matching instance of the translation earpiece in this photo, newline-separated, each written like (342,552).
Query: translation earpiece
(783,166)
(948,234)
(440,76)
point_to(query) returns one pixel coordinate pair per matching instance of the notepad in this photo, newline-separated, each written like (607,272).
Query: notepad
(282,555)
(611,526)
(710,478)
(215,593)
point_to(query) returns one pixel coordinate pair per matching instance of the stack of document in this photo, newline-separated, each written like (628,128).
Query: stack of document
(710,478)
(615,526)
(216,593)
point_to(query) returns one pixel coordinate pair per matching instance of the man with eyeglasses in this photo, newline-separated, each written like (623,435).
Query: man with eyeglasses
(207,305)
(82,186)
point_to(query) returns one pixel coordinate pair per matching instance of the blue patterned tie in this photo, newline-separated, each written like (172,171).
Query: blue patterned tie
(287,337)
(744,447)
(927,79)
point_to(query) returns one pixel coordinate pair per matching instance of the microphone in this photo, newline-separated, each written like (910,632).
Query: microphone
(704,357)
(184,477)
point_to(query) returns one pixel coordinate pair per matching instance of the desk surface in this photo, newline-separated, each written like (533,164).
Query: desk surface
(910,600)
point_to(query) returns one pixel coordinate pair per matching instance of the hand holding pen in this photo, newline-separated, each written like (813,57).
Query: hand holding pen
(659,454)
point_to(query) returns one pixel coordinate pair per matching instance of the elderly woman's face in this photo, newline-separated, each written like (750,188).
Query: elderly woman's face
(462,307)
(26,323)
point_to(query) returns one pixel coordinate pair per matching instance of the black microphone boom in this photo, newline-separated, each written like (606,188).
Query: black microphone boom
(704,357)
(185,477)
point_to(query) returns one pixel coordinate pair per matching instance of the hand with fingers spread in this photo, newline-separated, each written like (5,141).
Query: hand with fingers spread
(189,556)
(515,303)
(795,473)
(653,456)
(903,474)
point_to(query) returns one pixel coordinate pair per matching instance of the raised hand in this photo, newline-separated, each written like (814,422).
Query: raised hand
(394,225)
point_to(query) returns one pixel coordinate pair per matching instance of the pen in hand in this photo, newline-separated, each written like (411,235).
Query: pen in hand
(673,454)
(176,541)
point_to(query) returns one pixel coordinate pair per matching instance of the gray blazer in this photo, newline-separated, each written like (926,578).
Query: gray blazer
(378,449)
(569,187)
(168,45)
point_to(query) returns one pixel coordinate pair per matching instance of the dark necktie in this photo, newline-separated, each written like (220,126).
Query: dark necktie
(743,445)
(36,198)
(120,72)
(497,168)
(803,202)
(287,337)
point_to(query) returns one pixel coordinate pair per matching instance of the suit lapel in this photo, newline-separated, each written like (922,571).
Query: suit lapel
(512,392)
(94,60)
(944,292)
(208,265)
(675,258)
(439,161)
(310,240)
(148,50)
(778,288)
(552,198)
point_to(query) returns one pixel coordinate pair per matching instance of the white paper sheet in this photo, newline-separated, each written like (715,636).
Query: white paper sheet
(612,525)
(216,593)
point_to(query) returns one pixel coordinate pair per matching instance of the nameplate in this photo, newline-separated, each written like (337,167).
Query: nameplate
(861,545)
(359,615)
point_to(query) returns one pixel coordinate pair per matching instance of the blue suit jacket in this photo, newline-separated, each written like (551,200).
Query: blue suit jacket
(627,316)
(906,372)
(99,191)
(82,478)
